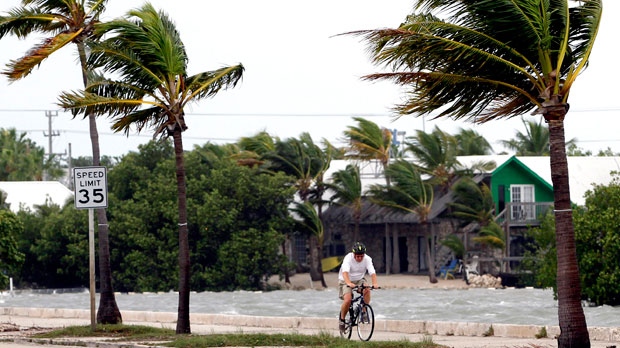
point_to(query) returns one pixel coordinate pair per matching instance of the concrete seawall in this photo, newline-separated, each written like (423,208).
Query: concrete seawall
(318,324)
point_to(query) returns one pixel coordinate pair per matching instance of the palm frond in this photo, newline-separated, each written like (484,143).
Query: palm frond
(368,141)
(22,67)
(207,84)
(407,191)
(22,21)
(585,22)
(491,235)
(261,143)
(471,143)
(473,201)
(347,186)
(309,221)
(123,61)
(474,98)
(455,244)
(485,59)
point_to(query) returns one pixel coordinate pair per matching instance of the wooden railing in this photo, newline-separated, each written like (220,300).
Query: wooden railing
(519,215)
(523,214)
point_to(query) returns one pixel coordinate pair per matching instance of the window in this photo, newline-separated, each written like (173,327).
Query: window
(522,194)
(301,249)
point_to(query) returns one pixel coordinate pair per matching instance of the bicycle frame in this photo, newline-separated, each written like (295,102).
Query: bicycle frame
(366,324)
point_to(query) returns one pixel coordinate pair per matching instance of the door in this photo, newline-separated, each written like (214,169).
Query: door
(522,194)
(402,251)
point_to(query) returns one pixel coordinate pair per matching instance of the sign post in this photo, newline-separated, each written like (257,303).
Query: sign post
(91,192)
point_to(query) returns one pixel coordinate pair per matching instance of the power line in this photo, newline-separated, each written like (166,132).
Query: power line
(295,114)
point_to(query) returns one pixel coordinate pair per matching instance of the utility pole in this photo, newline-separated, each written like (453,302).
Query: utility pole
(70,166)
(50,133)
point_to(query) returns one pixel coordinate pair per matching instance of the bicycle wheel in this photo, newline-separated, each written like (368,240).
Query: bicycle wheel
(366,323)
(346,333)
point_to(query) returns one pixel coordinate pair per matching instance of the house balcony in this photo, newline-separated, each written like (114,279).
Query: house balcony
(522,214)
(514,219)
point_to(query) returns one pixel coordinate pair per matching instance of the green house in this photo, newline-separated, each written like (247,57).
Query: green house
(518,191)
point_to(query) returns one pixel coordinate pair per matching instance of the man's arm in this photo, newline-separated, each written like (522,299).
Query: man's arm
(373,278)
(347,280)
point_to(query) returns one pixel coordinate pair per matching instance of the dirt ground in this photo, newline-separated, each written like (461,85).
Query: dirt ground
(302,281)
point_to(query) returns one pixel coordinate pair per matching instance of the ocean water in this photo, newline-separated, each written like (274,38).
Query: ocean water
(508,306)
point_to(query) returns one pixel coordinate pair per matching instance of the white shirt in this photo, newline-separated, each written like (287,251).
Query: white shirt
(356,270)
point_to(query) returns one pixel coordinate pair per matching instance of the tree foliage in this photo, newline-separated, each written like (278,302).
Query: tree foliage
(598,246)
(597,232)
(21,159)
(10,257)
(232,210)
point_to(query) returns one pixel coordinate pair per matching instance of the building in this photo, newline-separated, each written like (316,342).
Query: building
(28,194)
(521,188)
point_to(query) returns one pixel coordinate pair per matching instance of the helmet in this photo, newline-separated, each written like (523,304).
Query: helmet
(358,248)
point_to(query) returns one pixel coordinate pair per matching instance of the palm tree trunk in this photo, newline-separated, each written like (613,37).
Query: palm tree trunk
(108,312)
(388,249)
(183,324)
(395,251)
(572,322)
(287,279)
(430,257)
(316,273)
(320,265)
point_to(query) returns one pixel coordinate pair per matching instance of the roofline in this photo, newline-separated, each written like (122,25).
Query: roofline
(526,168)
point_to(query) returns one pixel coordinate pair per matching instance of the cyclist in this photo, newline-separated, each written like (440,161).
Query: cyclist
(352,273)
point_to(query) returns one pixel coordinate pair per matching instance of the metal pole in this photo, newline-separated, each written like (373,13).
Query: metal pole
(91,247)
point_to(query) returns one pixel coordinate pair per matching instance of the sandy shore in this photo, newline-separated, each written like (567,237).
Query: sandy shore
(303,281)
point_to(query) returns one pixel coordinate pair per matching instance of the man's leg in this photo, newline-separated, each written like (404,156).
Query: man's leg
(367,296)
(344,307)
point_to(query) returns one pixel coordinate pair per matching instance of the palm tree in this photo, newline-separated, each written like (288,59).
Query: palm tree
(310,222)
(146,53)
(68,22)
(488,60)
(410,194)
(253,149)
(307,163)
(471,143)
(347,187)
(472,202)
(22,160)
(435,154)
(369,142)
(535,141)
(491,235)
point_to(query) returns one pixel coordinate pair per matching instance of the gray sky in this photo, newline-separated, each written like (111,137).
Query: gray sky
(298,78)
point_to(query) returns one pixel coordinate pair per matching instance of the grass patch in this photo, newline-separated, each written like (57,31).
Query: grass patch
(167,337)
(111,331)
(288,340)
(542,333)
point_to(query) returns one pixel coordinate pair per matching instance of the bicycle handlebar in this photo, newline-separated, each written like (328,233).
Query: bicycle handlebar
(364,287)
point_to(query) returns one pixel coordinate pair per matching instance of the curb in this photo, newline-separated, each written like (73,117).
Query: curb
(312,323)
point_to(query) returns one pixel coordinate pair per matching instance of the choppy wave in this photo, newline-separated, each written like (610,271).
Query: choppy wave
(509,306)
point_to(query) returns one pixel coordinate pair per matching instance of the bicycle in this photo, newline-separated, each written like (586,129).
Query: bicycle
(360,314)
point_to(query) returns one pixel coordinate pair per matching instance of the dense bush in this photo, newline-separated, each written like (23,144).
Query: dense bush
(597,235)
(237,220)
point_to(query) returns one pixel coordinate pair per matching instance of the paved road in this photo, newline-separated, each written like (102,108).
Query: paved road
(23,322)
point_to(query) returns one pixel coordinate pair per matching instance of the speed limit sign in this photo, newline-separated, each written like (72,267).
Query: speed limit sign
(91,187)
